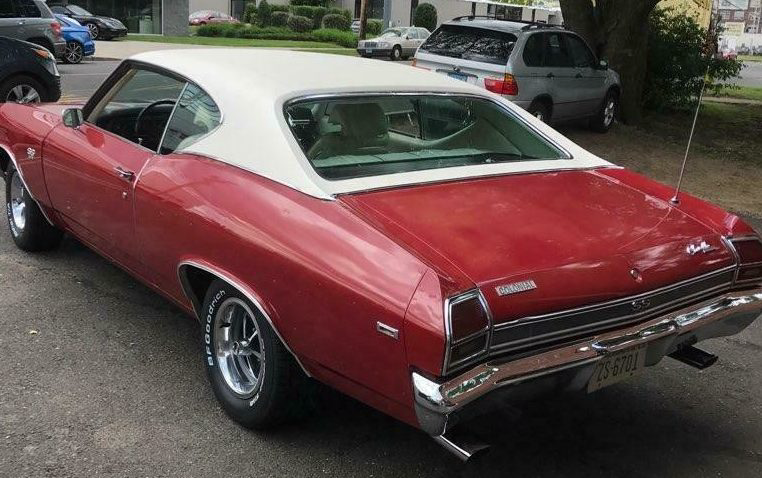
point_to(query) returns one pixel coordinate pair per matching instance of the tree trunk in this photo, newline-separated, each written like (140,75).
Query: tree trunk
(363,18)
(618,31)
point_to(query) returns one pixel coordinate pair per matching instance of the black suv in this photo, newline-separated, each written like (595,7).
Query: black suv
(101,28)
(28,73)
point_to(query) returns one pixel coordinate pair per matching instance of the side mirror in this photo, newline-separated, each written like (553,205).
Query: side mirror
(73,118)
(603,64)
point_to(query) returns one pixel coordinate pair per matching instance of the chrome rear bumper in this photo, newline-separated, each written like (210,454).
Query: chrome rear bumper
(569,368)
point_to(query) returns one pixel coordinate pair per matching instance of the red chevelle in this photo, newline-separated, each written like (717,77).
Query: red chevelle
(413,241)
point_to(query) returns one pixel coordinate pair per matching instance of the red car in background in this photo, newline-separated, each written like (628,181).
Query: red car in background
(206,17)
(411,240)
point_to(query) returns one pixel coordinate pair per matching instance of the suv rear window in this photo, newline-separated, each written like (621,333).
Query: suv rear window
(351,137)
(470,43)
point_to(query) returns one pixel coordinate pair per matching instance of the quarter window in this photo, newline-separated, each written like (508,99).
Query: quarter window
(469,43)
(195,116)
(533,50)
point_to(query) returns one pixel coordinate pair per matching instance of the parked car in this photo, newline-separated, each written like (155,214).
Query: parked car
(418,243)
(79,43)
(729,53)
(205,17)
(548,71)
(32,21)
(28,73)
(395,43)
(101,27)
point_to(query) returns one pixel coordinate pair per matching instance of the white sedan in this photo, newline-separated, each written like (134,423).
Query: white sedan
(396,43)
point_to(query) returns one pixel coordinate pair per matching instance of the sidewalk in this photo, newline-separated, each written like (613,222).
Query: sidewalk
(734,101)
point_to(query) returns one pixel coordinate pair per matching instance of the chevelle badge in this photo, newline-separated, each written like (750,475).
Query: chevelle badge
(515,287)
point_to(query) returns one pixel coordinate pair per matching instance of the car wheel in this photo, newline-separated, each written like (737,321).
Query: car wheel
(605,117)
(540,110)
(396,53)
(254,377)
(74,52)
(29,228)
(22,89)
(94,30)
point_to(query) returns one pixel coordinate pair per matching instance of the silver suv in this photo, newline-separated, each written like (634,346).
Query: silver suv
(545,69)
(32,21)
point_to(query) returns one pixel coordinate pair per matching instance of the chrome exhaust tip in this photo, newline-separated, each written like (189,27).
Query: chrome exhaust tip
(463,450)
(694,357)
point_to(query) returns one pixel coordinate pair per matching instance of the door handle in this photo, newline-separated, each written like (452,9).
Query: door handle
(550,75)
(22,22)
(124,174)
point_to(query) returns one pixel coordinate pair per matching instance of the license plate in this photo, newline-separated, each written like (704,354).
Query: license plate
(369,50)
(617,367)
(458,76)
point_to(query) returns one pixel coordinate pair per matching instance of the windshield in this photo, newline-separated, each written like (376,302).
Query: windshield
(469,43)
(79,11)
(391,33)
(351,137)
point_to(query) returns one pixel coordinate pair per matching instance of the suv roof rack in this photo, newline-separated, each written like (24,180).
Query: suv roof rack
(529,24)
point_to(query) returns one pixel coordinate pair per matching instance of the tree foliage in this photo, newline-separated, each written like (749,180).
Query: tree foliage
(264,13)
(425,16)
(680,53)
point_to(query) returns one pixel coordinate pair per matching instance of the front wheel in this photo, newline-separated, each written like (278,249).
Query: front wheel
(94,30)
(396,53)
(74,52)
(30,230)
(22,89)
(607,113)
(253,376)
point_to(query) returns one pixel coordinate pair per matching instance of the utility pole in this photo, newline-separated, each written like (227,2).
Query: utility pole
(363,18)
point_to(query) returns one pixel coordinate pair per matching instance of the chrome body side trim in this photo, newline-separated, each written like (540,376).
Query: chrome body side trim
(21,175)
(187,290)
(437,401)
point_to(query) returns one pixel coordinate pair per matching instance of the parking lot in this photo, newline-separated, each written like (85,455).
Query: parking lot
(103,377)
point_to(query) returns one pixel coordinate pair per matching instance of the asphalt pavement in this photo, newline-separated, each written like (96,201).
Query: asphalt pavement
(751,75)
(104,378)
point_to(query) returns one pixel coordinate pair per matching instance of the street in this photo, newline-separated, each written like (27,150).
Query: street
(103,377)
(751,75)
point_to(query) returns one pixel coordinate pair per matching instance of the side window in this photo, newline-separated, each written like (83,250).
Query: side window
(28,9)
(7,9)
(138,107)
(196,115)
(556,51)
(581,54)
(58,9)
(533,50)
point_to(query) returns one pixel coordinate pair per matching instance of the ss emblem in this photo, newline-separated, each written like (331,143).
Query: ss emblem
(640,304)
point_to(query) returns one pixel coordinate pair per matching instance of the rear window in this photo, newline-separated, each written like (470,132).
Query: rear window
(470,43)
(351,137)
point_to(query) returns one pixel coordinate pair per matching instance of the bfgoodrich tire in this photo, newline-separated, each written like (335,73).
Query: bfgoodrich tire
(254,377)
(29,228)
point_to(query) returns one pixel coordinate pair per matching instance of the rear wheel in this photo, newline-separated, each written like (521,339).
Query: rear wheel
(605,117)
(540,110)
(396,53)
(22,89)
(29,228)
(254,377)
(74,52)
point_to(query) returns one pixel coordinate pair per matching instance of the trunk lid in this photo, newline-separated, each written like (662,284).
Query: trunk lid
(581,237)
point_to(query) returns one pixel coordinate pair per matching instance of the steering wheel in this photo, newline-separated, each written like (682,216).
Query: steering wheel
(145,110)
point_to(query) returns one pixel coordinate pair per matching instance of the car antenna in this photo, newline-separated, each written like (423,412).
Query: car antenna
(676,199)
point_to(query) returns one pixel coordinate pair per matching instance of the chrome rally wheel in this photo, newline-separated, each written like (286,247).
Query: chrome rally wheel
(239,347)
(30,230)
(17,205)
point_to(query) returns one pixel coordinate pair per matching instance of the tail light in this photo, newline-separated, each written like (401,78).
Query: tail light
(749,252)
(56,29)
(505,86)
(468,325)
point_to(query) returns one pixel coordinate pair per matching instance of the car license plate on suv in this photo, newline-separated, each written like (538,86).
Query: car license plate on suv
(617,366)
(458,76)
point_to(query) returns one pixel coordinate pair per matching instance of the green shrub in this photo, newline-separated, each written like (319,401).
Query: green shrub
(264,13)
(374,27)
(336,22)
(343,38)
(250,13)
(425,16)
(303,10)
(271,33)
(317,16)
(314,13)
(299,23)
(280,8)
(279,19)
(341,11)
(312,3)
(678,59)
(213,30)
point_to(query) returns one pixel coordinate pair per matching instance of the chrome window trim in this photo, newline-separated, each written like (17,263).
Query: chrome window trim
(448,367)
(169,120)
(187,291)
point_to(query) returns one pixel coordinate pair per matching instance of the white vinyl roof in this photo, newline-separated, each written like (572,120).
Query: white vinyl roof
(251,86)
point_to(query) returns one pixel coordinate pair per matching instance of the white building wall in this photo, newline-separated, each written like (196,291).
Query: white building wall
(216,5)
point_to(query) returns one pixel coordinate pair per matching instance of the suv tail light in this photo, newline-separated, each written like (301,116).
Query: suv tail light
(468,326)
(56,29)
(749,252)
(505,86)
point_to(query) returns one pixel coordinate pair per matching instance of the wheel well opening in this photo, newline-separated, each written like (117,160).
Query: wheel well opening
(196,282)
(5,160)
(546,100)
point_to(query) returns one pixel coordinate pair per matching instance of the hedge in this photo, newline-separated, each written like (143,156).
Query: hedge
(312,3)
(264,13)
(280,8)
(374,27)
(250,13)
(342,38)
(315,13)
(336,22)
(299,23)
(425,16)
(341,11)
